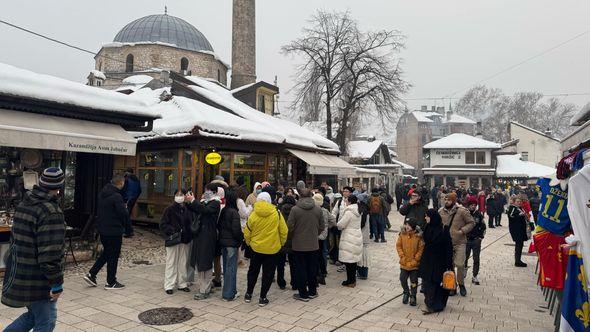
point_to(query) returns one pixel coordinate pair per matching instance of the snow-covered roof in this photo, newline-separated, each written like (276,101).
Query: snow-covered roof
(98,74)
(243,87)
(582,116)
(180,116)
(360,170)
(392,152)
(462,141)
(363,149)
(27,84)
(422,116)
(138,79)
(403,165)
(512,166)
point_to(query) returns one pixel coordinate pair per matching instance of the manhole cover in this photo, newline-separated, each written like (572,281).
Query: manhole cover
(165,316)
(142,263)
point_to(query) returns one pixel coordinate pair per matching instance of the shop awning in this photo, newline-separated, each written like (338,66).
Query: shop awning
(37,131)
(324,164)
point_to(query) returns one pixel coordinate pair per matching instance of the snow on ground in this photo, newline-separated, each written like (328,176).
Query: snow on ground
(27,84)
(363,149)
(461,141)
(512,166)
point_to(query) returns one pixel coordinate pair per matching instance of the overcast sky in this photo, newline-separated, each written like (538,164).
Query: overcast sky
(450,46)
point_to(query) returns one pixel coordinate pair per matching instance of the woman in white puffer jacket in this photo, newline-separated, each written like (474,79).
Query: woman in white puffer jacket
(351,240)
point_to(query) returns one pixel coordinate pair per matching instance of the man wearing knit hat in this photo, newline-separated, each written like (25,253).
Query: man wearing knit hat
(460,223)
(35,281)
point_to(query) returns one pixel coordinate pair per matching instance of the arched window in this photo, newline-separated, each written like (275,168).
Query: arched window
(183,64)
(129,64)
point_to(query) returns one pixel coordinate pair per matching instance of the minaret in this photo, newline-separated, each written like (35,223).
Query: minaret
(243,43)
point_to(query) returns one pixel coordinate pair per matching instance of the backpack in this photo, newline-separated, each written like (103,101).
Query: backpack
(375,204)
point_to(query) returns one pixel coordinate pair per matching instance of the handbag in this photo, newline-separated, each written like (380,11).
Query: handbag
(173,239)
(449,281)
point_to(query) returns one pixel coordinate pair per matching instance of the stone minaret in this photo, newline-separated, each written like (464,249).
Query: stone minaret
(243,43)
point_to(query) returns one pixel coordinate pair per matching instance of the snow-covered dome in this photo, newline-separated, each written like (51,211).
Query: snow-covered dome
(164,28)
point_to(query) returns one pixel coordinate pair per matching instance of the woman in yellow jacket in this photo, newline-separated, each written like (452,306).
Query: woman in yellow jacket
(265,233)
(410,247)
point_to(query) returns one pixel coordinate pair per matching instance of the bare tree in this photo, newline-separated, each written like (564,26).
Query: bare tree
(358,72)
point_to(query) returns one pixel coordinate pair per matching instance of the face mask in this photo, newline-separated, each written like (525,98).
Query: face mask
(258,191)
(208,195)
(179,199)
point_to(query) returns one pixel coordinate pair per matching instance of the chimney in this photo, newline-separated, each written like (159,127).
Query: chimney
(243,43)
(424,108)
(449,115)
(479,130)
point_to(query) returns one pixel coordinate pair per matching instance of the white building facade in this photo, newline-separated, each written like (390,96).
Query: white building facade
(534,145)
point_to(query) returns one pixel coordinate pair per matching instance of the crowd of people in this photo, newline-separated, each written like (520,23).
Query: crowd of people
(208,238)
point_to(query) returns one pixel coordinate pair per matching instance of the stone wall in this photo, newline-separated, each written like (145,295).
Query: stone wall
(112,60)
(243,43)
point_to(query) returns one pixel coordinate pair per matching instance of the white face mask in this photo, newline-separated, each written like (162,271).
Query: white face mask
(179,199)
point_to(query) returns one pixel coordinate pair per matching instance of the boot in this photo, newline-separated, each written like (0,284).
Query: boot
(413,301)
(406,298)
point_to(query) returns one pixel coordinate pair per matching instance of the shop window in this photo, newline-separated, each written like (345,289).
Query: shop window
(250,161)
(159,159)
(470,157)
(480,157)
(157,190)
(129,63)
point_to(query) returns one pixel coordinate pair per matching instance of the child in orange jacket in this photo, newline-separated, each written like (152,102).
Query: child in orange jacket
(410,247)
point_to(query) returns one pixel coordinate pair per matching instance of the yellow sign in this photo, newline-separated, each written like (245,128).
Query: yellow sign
(213,158)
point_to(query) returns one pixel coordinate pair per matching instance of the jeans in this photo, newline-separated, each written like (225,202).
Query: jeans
(459,251)
(130,204)
(230,271)
(377,226)
(268,264)
(403,278)
(474,245)
(322,254)
(41,316)
(306,269)
(109,256)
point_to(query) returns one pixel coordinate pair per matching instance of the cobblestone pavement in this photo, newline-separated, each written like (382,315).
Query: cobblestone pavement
(506,300)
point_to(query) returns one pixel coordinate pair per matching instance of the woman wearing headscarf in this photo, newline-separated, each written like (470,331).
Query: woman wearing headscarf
(251,199)
(436,260)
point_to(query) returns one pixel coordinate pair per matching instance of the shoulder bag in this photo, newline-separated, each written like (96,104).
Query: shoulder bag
(173,239)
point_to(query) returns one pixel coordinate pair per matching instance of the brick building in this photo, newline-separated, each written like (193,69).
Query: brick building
(417,128)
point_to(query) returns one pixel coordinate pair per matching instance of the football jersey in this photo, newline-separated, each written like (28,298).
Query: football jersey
(552,263)
(553,215)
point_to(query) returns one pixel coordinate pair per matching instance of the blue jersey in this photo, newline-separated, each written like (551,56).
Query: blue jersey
(553,215)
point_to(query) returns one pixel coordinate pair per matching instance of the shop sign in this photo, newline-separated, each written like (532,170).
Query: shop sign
(448,154)
(213,158)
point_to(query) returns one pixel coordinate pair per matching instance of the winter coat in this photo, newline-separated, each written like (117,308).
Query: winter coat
(376,197)
(305,224)
(329,222)
(266,230)
(35,259)
(177,218)
(492,206)
(410,247)
(205,242)
(112,215)
(535,202)
(500,200)
(230,228)
(244,212)
(481,202)
(387,201)
(479,228)
(132,188)
(416,212)
(437,257)
(251,199)
(517,223)
(339,207)
(462,223)
(242,192)
(366,227)
(351,239)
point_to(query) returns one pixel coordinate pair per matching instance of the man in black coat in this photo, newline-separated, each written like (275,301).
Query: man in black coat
(112,222)
(399,194)
(474,238)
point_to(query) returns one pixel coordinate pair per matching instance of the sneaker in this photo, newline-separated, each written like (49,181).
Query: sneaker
(263,302)
(383,241)
(115,286)
(413,301)
(406,298)
(185,289)
(341,268)
(313,296)
(299,298)
(201,296)
(520,264)
(90,280)
(475,281)
(247,298)
(338,263)
(237,296)
(169,292)
(462,290)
